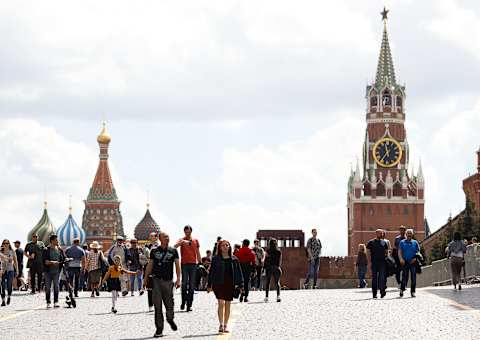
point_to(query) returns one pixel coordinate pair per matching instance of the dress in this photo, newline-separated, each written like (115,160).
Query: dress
(113,282)
(224,291)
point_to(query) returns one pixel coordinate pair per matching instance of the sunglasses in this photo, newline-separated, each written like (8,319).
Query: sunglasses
(4,243)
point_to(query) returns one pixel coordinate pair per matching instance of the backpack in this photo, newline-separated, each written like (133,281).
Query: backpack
(102,264)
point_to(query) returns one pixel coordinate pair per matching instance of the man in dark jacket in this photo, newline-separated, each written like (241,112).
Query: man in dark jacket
(378,249)
(34,252)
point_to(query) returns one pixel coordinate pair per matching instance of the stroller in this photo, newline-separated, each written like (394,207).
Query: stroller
(69,299)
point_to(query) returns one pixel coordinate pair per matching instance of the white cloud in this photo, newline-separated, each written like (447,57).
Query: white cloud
(314,168)
(458,25)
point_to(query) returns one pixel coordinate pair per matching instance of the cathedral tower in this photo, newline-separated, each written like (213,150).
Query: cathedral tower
(102,219)
(384,194)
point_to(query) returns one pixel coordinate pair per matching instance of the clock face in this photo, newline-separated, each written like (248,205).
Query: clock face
(387,152)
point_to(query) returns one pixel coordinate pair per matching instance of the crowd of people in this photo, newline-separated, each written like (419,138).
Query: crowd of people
(403,260)
(156,267)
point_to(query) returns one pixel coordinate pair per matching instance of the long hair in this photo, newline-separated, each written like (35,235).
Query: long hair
(457,236)
(219,249)
(272,244)
(362,248)
(9,245)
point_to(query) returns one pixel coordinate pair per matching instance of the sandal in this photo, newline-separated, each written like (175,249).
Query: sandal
(225,330)
(220,329)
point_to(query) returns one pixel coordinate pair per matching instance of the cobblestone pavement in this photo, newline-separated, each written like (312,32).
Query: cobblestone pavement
(436,313)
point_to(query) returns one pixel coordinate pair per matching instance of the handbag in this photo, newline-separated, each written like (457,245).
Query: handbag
(236,293)
(102,264)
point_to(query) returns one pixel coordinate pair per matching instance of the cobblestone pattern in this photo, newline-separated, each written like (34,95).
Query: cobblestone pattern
(436,313)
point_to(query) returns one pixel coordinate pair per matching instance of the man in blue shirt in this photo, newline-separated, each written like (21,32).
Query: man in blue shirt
(407,252)
(77,254)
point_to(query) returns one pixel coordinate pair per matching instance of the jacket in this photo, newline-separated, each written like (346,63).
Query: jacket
(419,263)
(46,257)
(217,272)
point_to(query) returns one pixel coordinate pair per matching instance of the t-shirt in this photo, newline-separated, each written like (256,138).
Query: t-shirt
(37,249)
(163,262)
(398,239)
(189,252)
(409,249)
(377,250)
(115,272)
(76,253)
(259,254)
(315,247)
(54,254)
(7,261)
(272,258)
(19,252)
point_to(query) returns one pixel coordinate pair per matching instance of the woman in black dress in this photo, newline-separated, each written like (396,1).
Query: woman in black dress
(225,277)
(273,264)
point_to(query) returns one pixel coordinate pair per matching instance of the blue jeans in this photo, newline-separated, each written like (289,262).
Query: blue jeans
(49,279)
(7,280)
(362,271)
(406,269)
(139,277)
(189,270)
(312,271)
(378,277)
(74,278)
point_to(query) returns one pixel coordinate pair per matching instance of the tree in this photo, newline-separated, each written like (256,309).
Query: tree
(437,252)
(466,224)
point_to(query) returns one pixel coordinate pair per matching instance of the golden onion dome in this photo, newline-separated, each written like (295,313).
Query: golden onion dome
(104,137)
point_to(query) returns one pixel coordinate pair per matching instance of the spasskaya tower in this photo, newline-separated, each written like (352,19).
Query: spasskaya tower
(384,194)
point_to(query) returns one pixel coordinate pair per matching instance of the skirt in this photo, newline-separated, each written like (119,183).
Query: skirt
(94,276)
(224,291)
(113,284)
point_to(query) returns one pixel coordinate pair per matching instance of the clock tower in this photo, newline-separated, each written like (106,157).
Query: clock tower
(384,194)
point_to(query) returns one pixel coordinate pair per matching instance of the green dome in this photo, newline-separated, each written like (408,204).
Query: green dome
(44,228)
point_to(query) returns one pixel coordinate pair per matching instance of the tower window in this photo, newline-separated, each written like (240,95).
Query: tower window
(371,211)
(405,210)
(389,211)
(373,101)
(387,98)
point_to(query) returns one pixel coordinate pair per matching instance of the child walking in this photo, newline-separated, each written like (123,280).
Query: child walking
(112,277)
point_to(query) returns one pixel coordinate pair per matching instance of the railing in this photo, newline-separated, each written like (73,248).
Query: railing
(439,273)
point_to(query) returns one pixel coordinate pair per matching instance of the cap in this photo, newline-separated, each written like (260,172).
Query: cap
(120,238)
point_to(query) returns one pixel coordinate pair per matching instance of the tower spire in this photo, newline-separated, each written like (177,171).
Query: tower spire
(385,70)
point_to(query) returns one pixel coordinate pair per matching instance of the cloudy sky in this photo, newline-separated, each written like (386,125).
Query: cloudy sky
(235,115)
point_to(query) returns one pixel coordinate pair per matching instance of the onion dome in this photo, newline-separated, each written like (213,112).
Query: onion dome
(104,137)
(70,231)
(146,226)
(44,228)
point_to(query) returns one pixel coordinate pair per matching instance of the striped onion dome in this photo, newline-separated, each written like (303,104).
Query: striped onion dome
(44,228)
(146,226)
(70,231)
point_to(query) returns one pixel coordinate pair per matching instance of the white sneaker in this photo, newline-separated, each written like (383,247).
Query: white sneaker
(266,299)
(49,305)
(278,299)
(56,305)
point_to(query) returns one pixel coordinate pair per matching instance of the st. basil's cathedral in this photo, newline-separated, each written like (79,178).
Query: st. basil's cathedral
(102,219)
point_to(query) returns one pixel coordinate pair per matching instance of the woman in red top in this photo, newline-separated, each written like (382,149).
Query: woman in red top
(246,257)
